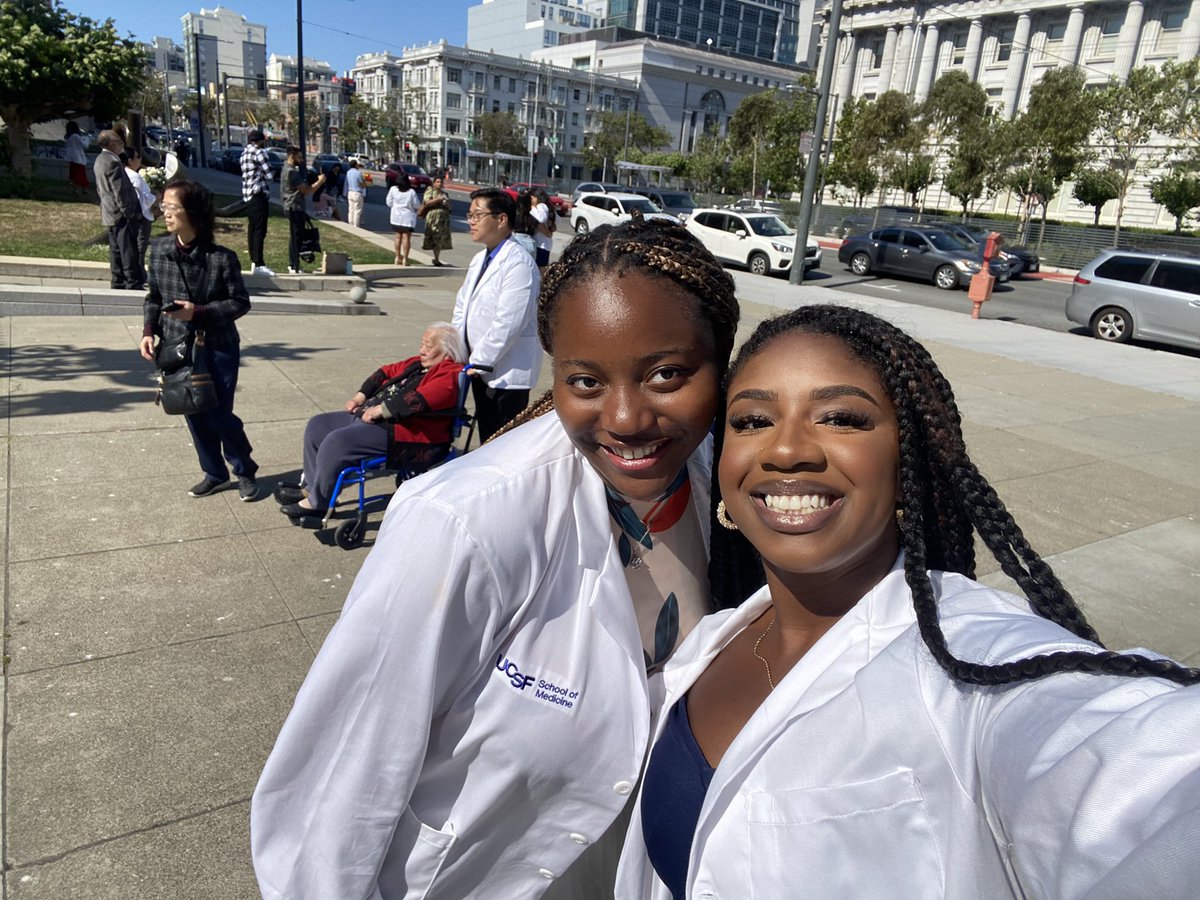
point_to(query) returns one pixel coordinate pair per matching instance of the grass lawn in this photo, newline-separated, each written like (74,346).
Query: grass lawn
(63,229)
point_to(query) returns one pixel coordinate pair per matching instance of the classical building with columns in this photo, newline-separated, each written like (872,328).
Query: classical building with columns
(1007,46)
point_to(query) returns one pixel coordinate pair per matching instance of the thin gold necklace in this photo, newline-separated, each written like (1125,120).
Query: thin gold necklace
(759,657)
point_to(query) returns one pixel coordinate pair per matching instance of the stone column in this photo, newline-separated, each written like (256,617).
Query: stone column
(1011,93)
(889,59)
(1127,40)
(974,46)
(929,52)
(1073,36)
(904,52)
(849,46)
(1189,38)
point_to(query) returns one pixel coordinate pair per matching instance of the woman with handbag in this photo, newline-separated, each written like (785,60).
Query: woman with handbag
(196,293)
(435,210)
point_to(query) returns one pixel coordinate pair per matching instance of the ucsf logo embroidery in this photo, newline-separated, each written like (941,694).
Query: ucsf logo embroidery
(549,689)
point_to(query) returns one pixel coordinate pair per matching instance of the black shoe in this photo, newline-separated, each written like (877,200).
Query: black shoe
(311,522)
(295,509)
(206,487)
(287,494)
(247,488)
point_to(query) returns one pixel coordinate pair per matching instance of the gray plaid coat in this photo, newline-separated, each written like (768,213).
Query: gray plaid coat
(214,275)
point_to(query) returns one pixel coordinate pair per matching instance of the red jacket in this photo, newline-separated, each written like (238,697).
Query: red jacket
(406,398)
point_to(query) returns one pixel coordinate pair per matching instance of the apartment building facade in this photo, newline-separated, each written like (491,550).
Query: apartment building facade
(225,43)
(1007,46)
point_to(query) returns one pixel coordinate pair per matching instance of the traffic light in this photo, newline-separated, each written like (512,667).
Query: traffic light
(407,147)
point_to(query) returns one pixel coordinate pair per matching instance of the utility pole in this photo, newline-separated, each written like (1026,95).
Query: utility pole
(225,103)
(796,276)
(202,156)
(300,136)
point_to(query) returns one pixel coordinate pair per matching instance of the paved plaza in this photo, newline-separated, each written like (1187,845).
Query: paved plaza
(155,641)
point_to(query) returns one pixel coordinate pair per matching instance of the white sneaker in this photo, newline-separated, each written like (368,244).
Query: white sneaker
(261,270)
(292,271)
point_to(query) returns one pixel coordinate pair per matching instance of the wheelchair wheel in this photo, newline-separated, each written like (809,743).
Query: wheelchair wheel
(349,534)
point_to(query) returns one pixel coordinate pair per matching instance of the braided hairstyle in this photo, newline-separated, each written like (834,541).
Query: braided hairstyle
(667,250)
(945,499)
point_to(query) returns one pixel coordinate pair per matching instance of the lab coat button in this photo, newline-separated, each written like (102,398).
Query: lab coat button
(545,873)
(623,787)
(578,838)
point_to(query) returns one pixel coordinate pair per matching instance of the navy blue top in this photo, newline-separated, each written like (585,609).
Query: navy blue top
(673,790)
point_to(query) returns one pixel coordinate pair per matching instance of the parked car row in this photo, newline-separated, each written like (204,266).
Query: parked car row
(760,241)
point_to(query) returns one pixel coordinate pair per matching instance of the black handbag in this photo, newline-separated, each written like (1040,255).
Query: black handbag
(189,389)
(310,240)
(185,386)
(170,355)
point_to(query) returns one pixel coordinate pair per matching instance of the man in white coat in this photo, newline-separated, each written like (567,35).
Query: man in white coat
(496,313)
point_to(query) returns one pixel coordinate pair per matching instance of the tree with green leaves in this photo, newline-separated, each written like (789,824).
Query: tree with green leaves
(1094,188)
(1129,114)
(623,134)
(708,164)
(1178,193)
(957,114)
(55,64)
(500,132)
(1049,140)
(852,170)
(894,135)
(359,123)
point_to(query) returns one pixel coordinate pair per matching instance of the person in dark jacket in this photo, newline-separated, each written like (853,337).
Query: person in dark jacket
(120,213)
(389,414)
(196,285)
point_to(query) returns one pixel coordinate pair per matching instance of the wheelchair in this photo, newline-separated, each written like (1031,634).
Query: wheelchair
(349,533)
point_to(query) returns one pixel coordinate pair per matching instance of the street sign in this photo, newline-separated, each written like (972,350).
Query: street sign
(806,142)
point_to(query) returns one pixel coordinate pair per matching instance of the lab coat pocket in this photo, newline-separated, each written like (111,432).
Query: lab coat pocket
(865,839)
(427,850)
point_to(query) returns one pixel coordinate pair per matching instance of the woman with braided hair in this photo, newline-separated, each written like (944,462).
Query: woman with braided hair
(873,722)
(477,718)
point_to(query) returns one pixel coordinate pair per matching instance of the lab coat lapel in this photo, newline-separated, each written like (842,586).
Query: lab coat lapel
(820,674)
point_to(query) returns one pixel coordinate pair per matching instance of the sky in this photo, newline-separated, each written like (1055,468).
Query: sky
(335,31)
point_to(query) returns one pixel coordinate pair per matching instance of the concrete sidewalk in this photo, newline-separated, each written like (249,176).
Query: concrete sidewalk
(155,641)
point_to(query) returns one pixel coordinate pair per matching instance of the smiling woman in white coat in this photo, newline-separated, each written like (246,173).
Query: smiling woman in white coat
(480,713)
(873,722)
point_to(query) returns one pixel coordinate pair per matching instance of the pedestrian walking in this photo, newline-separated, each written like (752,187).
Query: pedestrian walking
(293,188)
(402,203)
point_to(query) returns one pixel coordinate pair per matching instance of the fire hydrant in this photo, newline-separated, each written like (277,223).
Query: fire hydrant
(982,281)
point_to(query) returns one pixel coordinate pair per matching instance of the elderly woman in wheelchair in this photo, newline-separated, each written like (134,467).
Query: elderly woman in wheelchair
(404,410)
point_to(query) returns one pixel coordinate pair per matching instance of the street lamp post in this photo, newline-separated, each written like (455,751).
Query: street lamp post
(796,276)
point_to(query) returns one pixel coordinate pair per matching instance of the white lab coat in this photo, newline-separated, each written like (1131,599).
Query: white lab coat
(499,314)
(869,772)
(480,711)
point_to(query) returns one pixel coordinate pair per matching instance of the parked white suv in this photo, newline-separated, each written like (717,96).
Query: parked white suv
(593,210)
(761,242)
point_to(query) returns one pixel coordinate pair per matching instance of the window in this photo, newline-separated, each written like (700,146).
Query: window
(876,48)
(454,101)
(478,104)
(1131,269)
(549,38)
(1056,33)
(1170,28)
(574,142)
(453,126)
(1176,276)
(512,85)
(512,107)
(495,82)
(495,106)
(914,240)
(1110,31)
(888,235)
(575,95)
(958,49)
(454,76)
(1004,42)
(575,118)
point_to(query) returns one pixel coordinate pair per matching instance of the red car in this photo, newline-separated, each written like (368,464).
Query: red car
(418,178)
(561,206)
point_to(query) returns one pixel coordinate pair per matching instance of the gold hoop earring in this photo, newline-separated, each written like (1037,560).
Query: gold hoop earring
(723,517)
(899,517)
